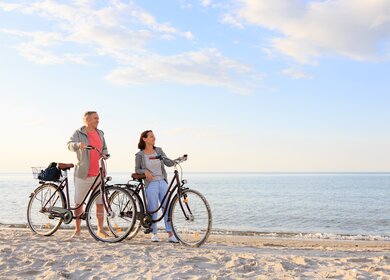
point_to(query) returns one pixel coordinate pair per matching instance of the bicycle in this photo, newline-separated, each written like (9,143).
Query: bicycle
(49,207)
(189,212)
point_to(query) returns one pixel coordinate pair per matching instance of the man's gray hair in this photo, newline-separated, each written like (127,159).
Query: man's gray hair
(88,113)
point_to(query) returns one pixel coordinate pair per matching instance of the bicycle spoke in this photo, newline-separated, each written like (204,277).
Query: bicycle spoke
(191,218)
(39,219)
(116,226)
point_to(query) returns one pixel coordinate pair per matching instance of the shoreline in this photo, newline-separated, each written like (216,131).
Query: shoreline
(27,255)
(249,240)
(260,234)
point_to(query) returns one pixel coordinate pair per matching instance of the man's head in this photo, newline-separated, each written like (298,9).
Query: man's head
(91,119)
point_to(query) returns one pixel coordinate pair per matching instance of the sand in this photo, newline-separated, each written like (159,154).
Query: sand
(24,255)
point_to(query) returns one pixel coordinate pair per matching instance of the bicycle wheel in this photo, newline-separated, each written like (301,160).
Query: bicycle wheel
(191,219)
(118,225)
(139,209)
(39,219)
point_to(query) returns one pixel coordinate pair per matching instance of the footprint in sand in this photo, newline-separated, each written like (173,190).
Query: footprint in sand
(28,273)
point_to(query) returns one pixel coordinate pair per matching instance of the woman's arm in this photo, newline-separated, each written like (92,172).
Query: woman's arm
(138,165)
(166,161)
(140,170)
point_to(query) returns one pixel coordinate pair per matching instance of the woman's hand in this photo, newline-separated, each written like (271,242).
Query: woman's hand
(149,175)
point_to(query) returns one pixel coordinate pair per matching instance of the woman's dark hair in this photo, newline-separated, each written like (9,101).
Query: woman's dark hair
(141,143)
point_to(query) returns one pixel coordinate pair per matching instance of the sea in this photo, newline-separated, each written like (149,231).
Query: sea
(340,206)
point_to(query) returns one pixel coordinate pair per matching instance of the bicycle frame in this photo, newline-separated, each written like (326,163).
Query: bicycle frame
(177,187)
(64,184)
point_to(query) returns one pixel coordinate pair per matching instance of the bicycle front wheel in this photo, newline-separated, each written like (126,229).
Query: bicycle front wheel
(39,218)
(112,227)
(190,218)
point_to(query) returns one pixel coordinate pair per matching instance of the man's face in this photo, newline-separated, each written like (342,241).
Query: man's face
(93,120)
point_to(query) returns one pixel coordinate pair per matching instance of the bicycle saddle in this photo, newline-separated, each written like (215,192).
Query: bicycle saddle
(65,166)
(137,176)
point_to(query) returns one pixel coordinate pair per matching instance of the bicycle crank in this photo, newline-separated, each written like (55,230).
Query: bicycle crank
(65,214)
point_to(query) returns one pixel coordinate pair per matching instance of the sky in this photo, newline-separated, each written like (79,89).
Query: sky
(238,85)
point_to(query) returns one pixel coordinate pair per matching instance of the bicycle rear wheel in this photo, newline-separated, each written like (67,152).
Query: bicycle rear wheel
(118,225)
(191,218)
(139,209)
(39,219)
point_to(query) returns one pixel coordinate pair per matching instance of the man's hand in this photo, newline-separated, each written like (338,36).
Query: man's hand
(149,175)
(83,145)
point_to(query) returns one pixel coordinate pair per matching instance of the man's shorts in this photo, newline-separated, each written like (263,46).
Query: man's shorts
(82,187)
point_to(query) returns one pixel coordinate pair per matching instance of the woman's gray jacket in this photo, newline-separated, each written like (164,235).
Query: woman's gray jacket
(80,135)
(140,166)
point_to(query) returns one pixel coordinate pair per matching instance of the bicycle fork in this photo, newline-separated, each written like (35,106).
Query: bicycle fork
(189,216)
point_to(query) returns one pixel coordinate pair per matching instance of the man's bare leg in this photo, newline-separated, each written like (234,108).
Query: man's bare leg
(100,218)
(78,212)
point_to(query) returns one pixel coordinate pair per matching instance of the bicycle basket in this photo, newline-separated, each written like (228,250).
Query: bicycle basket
(51,173)
(37,170)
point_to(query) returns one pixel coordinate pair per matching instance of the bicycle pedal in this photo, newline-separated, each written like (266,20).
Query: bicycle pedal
(148,230)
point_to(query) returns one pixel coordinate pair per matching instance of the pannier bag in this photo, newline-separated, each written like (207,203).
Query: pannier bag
(51,173)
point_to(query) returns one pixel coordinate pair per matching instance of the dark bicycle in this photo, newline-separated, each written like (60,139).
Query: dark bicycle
(189,212)
(49,207)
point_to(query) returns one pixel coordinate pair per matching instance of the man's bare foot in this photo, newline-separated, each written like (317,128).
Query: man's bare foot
(102,234)
(76,234)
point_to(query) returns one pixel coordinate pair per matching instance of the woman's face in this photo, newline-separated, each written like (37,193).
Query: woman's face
(150,139)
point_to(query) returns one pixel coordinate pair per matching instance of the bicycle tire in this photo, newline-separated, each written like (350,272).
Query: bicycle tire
(42,223)
(123,218)
(195,230)
(140,209)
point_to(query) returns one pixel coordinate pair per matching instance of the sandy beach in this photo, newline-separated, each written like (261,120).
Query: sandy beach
(24,255)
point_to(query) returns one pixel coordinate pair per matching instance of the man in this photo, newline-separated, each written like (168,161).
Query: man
(88,165)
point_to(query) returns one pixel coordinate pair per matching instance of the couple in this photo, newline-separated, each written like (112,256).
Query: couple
(88,168)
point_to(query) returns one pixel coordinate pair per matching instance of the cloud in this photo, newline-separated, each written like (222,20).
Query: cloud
(229,19)
(205,3)
(308,30)
(122,31)
(115,26)
(205,67)
(296,73)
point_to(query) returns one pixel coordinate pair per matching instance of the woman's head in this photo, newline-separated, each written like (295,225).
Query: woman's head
(146,138)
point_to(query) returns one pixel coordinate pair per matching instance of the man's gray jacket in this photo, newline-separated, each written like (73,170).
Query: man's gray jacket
(80,135)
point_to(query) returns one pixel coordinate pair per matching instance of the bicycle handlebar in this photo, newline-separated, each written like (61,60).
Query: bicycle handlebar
(104,156)
(178,160)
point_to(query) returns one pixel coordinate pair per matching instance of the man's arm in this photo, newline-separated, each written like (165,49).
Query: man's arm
(74,142)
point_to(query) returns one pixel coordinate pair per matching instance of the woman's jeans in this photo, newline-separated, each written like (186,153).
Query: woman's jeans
(154,194)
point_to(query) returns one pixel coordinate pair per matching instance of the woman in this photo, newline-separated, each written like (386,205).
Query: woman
(156,183)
